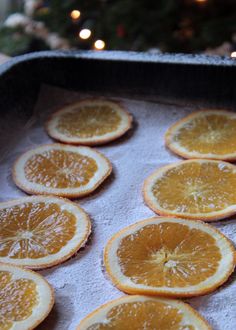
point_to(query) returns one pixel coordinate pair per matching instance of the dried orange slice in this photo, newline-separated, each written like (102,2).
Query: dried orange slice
(204,134)
(193,189)
(26,298)
(169,257)
(41,231)
(141,312)
(57,169)
(89,122)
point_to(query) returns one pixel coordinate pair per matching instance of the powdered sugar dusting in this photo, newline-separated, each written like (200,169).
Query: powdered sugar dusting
(80,284)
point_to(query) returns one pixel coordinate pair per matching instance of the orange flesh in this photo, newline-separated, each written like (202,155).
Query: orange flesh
(34,230)
(168,254)
(17,299)
(60,169)
(196,188)
(89,121)
(149,315)
(208,134)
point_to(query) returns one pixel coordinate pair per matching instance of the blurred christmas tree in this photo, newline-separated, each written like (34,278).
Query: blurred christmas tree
(166,25)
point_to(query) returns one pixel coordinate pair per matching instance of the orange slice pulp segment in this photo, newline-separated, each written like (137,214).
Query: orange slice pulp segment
(89,122)
(39,232)
(61,170)
(204,134)
(170,257)
(197,189)
(140,312)
(25,298)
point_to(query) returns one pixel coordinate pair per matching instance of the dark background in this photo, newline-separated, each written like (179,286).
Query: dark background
(187,26)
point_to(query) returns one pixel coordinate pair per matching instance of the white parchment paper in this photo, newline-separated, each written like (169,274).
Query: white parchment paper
(80,283)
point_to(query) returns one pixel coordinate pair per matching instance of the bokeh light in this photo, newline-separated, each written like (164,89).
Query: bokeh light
(75,14)
(233,54)
(99,44)
(85,34)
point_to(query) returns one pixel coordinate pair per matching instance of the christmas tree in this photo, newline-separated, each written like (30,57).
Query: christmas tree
(167,25)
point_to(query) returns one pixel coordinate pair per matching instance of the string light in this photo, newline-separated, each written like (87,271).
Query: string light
(85,34)
(75,14)
(99,44)
(233,55)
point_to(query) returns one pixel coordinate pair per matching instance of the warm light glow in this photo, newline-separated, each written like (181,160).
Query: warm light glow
(233,54)
(85,34)
(99,44)
(201,0)
(75,14)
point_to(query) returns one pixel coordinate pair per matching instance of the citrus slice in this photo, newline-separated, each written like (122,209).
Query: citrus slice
(169,257)
(193,189)
(41,231)
(89,122)
(140,312)
(204,134)
(26,298)
(57,169)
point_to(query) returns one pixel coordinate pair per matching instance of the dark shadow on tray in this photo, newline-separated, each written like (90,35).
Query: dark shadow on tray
(171,153)
(81,253)
(99,191)
(206,299)
(231,280)
(59,317)
(203,301)
(124,138)
(105,274)
(227,221)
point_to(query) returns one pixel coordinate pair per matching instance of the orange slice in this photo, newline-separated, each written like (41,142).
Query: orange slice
(39,231)
(204,134)
(57,169)
(89,122)
(195,189)
(140,312)
(169,257)
(25,298)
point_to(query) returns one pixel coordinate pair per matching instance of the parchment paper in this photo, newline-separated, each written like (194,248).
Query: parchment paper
(80,284)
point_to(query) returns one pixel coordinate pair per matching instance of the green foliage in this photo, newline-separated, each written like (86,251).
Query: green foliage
(15,42)
(171,25)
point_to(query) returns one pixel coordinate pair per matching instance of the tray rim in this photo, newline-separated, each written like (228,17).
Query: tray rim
(122,56)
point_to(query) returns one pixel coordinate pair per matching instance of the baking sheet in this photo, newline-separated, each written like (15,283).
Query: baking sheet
(80,284)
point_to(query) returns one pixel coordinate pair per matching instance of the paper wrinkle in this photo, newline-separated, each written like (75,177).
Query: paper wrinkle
(80,284)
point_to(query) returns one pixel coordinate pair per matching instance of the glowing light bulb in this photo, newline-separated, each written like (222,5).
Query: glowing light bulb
(233,55)
(99,44)
(85,34)
(75,14)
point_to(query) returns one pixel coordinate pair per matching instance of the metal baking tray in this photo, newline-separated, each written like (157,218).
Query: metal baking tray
(157,90)
(167,77)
